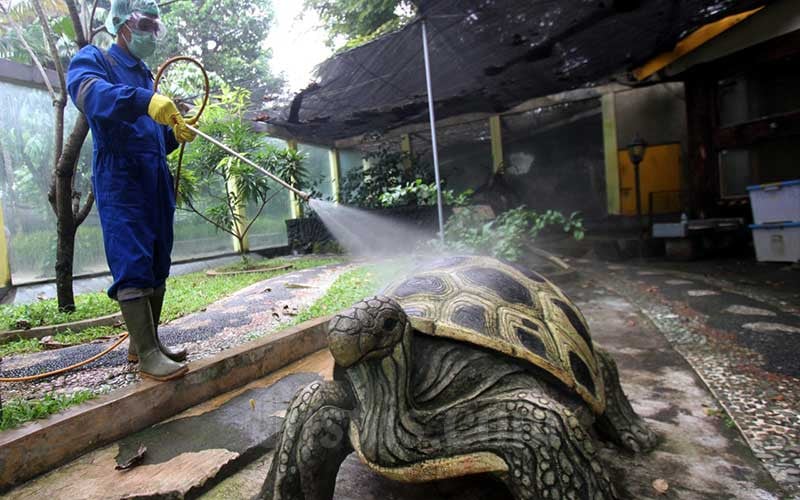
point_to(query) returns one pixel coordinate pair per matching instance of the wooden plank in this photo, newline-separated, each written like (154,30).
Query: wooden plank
(42,445)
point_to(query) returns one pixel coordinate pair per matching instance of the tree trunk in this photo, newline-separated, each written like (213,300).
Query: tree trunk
(65,215)
(65,252)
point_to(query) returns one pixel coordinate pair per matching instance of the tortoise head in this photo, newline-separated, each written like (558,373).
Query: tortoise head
(368,330)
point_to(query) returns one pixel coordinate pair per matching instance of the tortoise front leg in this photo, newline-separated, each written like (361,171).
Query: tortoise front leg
(620,423)
(312,444)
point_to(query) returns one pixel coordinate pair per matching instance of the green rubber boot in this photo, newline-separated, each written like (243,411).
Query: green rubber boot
(153,363)
(156,303)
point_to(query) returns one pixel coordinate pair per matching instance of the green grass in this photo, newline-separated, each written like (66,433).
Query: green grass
(350,288)
(185,294)
(18,411)
(45,312)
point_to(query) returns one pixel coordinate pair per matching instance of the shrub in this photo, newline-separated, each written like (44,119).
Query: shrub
(421,194)
(469,230)
(387,170)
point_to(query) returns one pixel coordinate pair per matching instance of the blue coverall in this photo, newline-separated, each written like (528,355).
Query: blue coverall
(132,184)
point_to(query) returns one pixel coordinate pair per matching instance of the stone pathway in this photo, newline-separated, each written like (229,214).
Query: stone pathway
(254,311)
(743,343)
(222,449)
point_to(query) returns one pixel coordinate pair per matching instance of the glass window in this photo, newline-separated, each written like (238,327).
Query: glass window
(194,236)
(349,160)
(770,161)
(751,96)
(318,166)
(26,165)
(269,229)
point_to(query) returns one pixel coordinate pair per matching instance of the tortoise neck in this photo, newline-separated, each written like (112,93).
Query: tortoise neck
(381,387)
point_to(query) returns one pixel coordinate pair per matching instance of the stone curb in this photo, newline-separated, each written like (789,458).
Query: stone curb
(42,445)
(43,331)
(248,271)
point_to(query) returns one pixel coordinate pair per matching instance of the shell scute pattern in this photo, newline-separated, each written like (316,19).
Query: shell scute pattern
(495,305)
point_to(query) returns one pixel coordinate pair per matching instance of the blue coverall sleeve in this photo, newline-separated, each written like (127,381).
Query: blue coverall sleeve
(92,92)
(170,142)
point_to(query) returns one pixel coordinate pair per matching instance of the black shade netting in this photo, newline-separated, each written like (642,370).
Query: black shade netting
(488,56)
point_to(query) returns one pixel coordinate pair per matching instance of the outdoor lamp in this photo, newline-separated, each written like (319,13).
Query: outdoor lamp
(636,151)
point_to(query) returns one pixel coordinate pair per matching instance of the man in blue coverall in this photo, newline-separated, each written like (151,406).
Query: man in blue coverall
(133,130)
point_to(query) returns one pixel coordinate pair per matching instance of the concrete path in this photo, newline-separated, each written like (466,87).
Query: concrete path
(256,310)
(741,335)
(700,457)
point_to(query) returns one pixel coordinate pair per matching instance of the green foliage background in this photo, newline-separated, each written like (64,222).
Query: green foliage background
(468,230)
(359,21)
(226,36)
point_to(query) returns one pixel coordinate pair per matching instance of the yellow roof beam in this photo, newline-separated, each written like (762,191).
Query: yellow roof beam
(690,43)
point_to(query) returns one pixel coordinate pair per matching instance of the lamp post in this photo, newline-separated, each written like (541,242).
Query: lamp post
(636,151)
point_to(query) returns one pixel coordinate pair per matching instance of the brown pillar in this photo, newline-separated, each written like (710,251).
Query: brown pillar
(701,115)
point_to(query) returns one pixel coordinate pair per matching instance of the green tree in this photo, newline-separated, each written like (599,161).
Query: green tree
(226,36)
(22,14)
(217,186)
(359,21)
(62,31)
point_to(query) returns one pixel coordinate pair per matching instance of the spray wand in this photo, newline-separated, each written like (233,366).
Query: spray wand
(305,196)
(192,121)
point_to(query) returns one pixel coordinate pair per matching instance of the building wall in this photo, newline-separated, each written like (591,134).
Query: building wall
(744,124)
(657,114)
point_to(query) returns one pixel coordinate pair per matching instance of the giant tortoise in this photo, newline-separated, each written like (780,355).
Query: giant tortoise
(468,365)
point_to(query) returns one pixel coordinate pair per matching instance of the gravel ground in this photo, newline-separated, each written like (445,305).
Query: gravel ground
(249,313)
(743,342)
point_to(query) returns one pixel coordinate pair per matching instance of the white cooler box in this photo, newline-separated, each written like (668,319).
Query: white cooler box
(777,242)
(778,202)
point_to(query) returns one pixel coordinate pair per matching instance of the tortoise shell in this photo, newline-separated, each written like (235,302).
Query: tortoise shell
(508,309)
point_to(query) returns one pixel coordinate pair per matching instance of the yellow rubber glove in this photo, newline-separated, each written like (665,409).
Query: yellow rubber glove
(163,110)
(182,132)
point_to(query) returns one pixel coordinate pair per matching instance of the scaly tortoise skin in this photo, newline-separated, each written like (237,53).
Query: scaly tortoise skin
(469,365)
